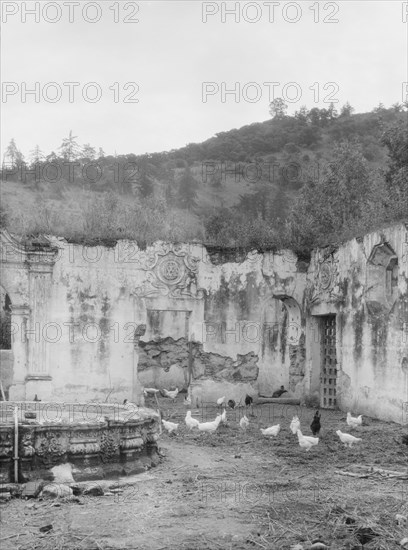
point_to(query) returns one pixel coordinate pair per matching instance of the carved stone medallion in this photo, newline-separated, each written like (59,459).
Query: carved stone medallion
(170,271)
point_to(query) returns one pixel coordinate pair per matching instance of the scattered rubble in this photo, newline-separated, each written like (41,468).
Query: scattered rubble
(54,490)
(33,488)
(94,490)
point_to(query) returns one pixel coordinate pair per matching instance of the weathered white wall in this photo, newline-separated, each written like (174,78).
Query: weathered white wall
(372,327)
(101,323)
(81,326)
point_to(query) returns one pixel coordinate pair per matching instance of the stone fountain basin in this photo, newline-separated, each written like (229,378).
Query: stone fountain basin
(97,440)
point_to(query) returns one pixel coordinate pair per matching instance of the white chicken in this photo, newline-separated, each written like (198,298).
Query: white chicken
(150,391)
(190,421)
(209,427)
(171,394)
(221,400)
(295,425)
(170,426)
(354,421)
(224,416)
(244,422)
(306,441)
(272,430)
(348,439)
(187,401)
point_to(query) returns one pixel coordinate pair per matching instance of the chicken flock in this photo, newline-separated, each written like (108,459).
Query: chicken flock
(305,441)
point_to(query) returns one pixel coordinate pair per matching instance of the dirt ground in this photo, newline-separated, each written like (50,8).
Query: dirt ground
(236,490)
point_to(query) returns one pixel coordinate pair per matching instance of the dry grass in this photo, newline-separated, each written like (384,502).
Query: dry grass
(89,217)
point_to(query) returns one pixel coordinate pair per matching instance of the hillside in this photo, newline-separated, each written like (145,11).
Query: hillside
(239,188)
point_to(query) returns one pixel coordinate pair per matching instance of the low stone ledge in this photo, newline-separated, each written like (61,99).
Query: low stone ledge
(277,400)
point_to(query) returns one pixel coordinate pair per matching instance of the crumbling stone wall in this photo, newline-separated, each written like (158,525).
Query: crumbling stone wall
(364,283)
(167,355)
(250,319)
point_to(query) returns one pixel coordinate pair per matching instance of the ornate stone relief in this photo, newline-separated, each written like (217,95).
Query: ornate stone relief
(171,272)
(325,285)
(38,256)
(41,447)
(129,442)
(109,445)
(87,444)
(6,444)
(27,444)
(50,447)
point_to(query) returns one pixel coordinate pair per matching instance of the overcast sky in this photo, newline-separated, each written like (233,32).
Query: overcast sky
(170,52)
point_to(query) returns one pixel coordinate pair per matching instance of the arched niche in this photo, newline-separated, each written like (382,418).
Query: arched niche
(382,278)
(283,346)
(294,318)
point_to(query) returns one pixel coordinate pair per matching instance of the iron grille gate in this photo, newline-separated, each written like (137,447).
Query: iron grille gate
(328,376)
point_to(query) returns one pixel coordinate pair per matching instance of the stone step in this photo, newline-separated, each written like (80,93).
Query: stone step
(278,400)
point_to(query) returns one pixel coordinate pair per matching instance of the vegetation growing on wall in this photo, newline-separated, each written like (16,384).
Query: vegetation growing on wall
(299,181)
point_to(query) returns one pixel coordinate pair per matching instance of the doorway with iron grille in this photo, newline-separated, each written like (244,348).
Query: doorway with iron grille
(328,362)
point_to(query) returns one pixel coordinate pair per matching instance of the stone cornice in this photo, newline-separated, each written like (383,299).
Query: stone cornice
(39,258)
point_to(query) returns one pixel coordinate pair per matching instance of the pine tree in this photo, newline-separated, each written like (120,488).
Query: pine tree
(88,152)
(13,156)
(101,153)
(346,110)
(332,113)
(36,155)
(52,157)
(70,149)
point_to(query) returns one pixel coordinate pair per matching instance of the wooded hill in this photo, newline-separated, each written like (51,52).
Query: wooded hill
(298,181)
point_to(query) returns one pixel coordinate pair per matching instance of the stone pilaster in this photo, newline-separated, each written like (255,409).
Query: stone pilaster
(38,379)
(20,315)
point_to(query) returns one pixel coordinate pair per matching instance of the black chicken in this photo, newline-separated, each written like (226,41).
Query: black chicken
(231,404)
(248,400)
(315,425)
(280,392)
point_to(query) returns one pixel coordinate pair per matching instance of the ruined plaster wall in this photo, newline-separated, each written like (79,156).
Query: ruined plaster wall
(244,334)
(112,301)
(91,306)
(238,331)
(102,322)
(283,342)
(372,328)
(108,321)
